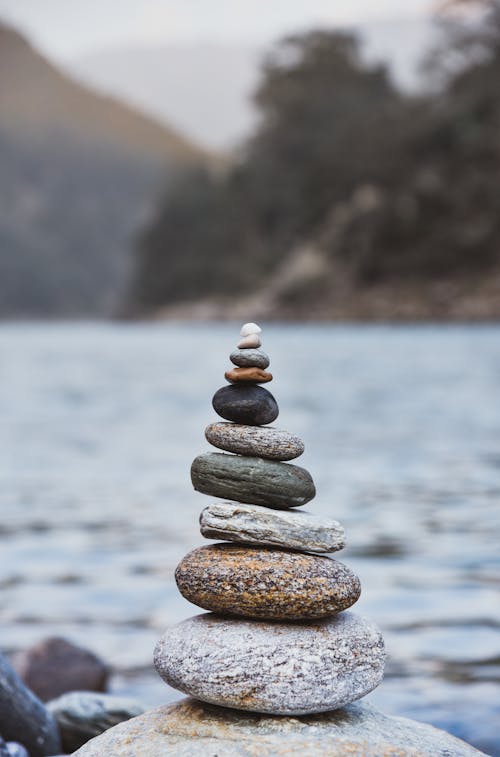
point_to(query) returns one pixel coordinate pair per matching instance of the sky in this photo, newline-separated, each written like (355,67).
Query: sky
(68,29)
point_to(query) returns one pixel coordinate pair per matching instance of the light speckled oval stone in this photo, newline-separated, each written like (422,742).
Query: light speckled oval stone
(272,584)
(254,441)
(278,668)
(245,403)
(249,358)
(252,480)
(253,524)
(190,728)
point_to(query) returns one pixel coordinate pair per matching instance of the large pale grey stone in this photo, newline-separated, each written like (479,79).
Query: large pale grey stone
(255,441)
(253,524)
(278,668)
(23,717)
(252,480)
(193,729)
(82,715)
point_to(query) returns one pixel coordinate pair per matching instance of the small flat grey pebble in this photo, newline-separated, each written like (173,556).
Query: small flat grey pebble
(254,524)
(276,668)
(268,442)
(245,403)
(252,480)
(249,358)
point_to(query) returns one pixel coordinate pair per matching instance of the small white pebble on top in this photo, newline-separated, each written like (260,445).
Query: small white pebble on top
(250,328)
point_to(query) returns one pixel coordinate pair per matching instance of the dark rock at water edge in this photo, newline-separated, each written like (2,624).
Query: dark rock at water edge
(23,717)
(193,729)
(246,403)
(82,715)
(56,666)
(266,583)
(252,480)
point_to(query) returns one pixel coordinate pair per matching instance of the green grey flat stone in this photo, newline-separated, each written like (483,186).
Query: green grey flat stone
(255,441)
(252,480)
(193,729)
(253,524)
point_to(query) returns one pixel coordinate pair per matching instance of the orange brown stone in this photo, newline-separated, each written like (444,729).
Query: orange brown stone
(251,375)
(270,584)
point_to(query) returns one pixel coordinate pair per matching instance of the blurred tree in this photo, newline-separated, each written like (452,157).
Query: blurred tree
(326,120)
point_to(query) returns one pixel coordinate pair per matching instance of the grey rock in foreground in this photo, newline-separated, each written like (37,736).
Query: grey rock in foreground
(249,358)
(192,729)
(276,668)
(13,749)
(253,524)
(82,715)
(23,717)
(252,480)
(255,441)
(245,403)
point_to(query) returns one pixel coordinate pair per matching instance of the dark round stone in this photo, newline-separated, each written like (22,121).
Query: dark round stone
(246,403)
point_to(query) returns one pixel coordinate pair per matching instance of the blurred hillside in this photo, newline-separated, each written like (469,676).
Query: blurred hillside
(206,89)
(352,199)
(80,173)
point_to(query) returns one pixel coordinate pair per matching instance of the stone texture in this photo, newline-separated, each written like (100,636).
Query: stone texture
(23,717)
(251,341)
(254,441)
(252,480)
(192,729)
(278,668)
(250,328)
(253,524)
(13,749)
(248,375)
(245,403)
(270,584)
(56,666)
(82,715)
(249,358)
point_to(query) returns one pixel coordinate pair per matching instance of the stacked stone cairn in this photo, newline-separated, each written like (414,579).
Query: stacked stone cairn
(277,639)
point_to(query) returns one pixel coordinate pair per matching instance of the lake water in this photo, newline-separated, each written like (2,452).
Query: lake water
(98,427)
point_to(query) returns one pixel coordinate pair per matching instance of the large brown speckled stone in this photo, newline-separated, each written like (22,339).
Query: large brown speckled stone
(254,441)
(193,729)
(252,480)
(272,584)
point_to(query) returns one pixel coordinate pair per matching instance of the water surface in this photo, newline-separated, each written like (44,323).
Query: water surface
(98,427)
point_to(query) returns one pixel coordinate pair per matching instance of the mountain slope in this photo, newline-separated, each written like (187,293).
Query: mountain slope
(80,173)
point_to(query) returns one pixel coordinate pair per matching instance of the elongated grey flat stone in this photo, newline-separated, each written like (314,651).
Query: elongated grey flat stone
(252,480)
(249,358)
(253,524)
(278,668)
(190,728)
(255,441)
